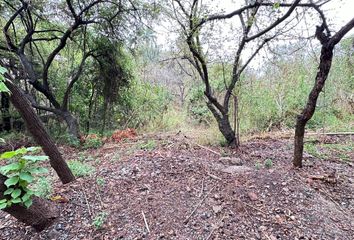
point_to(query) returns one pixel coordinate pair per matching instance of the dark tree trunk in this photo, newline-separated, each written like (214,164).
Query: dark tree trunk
(5,111)
(105,107)
(40,215)
(309,110)
(72,123)
(227,131)
(39,133)
(224,125)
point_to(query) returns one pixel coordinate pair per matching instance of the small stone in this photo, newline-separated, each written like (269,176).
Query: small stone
(262,228)
(217,209)
(54,234)
(252,196)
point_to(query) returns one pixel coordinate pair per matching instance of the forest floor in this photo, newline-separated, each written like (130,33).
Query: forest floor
(167,187)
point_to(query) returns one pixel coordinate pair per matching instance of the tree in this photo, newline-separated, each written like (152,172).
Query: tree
(260,22)
(38,39)
(328,44)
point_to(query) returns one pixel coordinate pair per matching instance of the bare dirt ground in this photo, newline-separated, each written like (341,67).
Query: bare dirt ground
(167,187)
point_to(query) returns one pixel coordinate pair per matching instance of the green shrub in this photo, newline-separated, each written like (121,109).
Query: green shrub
(268,163)
(99,220)
(80,169)
(20,171)
(93,143)
(43,187)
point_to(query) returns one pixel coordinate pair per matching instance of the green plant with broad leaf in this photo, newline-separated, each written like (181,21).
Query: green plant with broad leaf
(20,172)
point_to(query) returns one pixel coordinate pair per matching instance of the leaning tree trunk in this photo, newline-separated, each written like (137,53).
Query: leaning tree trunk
(40,215)
(39,133)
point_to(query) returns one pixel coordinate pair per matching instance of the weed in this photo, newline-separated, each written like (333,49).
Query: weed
(258,166)
(93,143)
(149,145)
(80,169)
(43,187)
(99,220)
(268,163)
(100,182)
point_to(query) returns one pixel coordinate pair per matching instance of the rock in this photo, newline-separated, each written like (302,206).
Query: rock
(54,234)
(236,169)
(230,161)
(252,196)
(217,209)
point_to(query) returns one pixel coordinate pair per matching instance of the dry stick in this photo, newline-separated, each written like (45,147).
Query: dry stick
(202,188)
(146,224)
(198,205)
(248,205)
(215,228)
(208,149)
(86,200)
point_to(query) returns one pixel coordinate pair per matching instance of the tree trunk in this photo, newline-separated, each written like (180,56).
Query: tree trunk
(40,215)
(39,133)
(72,123)
(309,110)
(5,111)
(227,131)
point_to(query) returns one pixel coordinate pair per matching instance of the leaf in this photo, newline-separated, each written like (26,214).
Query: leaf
(8,191)
(7,155)
(35,158)
(21,151)
(2,70)
(10,167)
(26,197)
(16,200)
(39,170)
(3,205)
(28,203)
(33,149)
(3,200)
(26,177)
(16,193)
(3,87)
(11,181)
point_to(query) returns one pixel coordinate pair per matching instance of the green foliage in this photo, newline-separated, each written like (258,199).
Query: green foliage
(20,172)
(258,166)
(99,220)
(149,145)
(100,182)
(93,143)
(43,187)
(142,104)
(268,163)
(3,87)
(80,169)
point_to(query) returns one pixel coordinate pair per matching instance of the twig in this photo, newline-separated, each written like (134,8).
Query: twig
(198,205)
(214,177)
(146,224)
(218,225)
(248,205)
(202,188)
(208,149)
(86,200)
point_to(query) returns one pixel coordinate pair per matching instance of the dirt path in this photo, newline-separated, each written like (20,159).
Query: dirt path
(169,188)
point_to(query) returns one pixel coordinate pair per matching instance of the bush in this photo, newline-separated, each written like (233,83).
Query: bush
(80,169)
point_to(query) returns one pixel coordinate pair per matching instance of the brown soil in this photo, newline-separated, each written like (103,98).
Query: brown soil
(169,188)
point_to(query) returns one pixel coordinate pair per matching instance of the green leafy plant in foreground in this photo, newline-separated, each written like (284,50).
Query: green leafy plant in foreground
(20,172)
